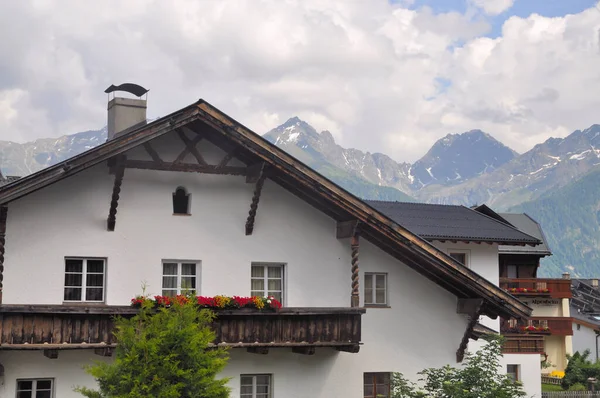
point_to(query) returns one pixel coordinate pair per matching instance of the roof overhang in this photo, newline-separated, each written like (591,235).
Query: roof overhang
(305,183)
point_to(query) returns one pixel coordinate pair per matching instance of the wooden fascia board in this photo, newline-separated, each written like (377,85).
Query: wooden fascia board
(76,164)
(501,301)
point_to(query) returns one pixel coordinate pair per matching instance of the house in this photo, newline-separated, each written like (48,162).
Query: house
(585,310)
(505,249)
(197,199)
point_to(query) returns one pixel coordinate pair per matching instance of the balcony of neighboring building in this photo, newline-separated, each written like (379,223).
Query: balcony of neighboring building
(48,327)
(537,287)
(537,326)
(523,344)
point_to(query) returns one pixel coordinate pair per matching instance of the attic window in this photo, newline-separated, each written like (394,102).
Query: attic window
(181,201)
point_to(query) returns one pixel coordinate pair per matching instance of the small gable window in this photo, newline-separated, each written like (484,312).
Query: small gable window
(181,201)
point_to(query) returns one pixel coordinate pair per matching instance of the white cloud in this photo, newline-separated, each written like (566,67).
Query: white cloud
(370,72)
(494,7)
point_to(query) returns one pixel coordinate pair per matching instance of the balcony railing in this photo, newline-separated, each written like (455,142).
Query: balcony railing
(537,287)
(560,326)
(523,344)
(72,327)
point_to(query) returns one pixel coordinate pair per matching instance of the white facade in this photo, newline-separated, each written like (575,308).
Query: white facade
(585,338)
(68,219)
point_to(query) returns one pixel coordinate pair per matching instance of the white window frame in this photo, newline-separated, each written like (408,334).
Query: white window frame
(34,386)
(84,273)
(266,278)
(374,289)
(254,385)
(466,252)
(179,275)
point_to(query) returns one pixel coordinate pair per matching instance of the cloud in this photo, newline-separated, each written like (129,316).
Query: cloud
(493,7)
(379,76)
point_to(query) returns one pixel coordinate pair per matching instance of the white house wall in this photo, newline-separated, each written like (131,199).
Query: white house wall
(420,329)
(584,338)
(529,371)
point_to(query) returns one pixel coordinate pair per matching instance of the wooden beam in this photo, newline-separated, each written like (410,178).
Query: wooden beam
(104,352)
(184,167)
(304,350)
(255,171)
(468,306)
(3,216)
(473,308)
(227,158)
(354,348)
(153,154)
(52,354)
(255,199)
(190,147)
(346,229)
(258,350)
(114,202)
(355,296)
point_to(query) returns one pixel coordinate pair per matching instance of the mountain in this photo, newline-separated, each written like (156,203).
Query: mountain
(570,217)
(459,157)
(23,159)
(368,176)
(547,166)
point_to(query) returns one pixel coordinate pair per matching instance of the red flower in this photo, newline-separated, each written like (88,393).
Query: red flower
(241,302)
(163,300)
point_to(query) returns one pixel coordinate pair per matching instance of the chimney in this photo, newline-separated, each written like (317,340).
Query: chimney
(124,113)
(594,282)
(566,275)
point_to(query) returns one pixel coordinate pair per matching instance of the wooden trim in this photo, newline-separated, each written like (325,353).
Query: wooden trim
(255,197)
(346,229)
(473,307)
(51,354)
(185,167)
(304,350)
(190,147)
(114,202)
(153,154)
(3,217)
(354,248)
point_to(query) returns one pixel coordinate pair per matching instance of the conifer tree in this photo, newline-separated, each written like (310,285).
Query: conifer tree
(163,353)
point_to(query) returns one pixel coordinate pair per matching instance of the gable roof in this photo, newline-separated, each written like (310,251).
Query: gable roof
(450,222)
(302,181)
(528,225)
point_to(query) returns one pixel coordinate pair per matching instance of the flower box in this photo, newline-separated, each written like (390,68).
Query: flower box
(267,303)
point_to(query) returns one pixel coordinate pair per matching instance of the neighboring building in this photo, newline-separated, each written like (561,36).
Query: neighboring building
(487,244)
(195,198)
(548,297)
(585,309)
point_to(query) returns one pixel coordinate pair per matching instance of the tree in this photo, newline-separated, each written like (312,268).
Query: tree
(479,377)
(163,353)
(579,369)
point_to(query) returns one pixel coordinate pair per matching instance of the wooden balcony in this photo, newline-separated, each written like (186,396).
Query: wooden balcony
(537,287)
(558,326)
(523,345)
(78,327)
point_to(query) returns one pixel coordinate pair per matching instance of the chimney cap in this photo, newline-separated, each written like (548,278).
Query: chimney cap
(132,88)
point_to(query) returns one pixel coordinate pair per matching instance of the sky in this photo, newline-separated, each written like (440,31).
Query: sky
(380,75)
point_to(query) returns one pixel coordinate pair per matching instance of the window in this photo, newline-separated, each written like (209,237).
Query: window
(513,372)
(375,289)
(462,256)
(179,278)
(267,280)
(512,271)
(255,386)
(377,385)
(35,388)
(181,201)
(84,279)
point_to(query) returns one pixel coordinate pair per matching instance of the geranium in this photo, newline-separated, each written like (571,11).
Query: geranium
(164,301)
(216,302)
